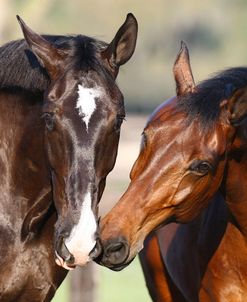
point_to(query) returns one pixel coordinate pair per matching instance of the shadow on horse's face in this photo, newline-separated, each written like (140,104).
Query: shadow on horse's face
(180,167)
(83,112)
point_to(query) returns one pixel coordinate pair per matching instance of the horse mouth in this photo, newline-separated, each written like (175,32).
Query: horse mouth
(61,262)
(116,267)
(63,257)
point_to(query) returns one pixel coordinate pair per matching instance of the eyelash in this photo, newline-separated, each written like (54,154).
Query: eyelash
(118,122)
(144,138)
(201,167)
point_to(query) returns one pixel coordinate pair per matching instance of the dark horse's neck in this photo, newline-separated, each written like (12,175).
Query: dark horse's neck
(24,174)
(26,208)
(25,178)
(236,180)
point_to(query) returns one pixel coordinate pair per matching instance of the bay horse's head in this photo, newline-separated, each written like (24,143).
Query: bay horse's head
(83,111)
(183,156)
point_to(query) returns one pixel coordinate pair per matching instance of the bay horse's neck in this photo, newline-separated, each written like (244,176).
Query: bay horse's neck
(24,174)
(236,180)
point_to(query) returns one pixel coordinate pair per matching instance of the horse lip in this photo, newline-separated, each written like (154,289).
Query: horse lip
(120,267)
(115,268)
(60,262)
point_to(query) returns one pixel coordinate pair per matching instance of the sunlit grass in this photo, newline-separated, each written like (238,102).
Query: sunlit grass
(62,295)
(125,286)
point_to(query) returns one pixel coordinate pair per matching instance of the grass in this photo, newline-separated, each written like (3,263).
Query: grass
(62,295)
(127,285)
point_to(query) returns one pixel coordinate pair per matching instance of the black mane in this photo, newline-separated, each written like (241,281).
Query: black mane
(20,69)
(205,102)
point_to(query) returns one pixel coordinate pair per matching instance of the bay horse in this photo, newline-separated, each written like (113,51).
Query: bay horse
(60,117)
(193,150)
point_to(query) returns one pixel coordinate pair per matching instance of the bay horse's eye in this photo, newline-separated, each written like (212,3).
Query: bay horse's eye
(144,139)
(118,122)
(201,167)
(49,120)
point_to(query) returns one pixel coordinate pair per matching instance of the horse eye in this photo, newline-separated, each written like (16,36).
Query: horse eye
(49,120)
(118,122)
(144,139)
(201,167)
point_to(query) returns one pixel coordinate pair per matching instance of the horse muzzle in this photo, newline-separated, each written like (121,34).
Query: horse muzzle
(115,253)
(62,255)
(64,258)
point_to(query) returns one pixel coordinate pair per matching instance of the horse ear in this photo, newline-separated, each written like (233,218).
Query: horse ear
(47,54)
(182,72)
(37,215)
(122,47)
(237,106)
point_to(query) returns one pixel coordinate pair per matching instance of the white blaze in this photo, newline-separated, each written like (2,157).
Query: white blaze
(86,102)
(82,237)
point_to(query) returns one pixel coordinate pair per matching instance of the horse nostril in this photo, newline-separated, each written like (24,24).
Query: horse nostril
(96,251)
(64,253)
(116,252)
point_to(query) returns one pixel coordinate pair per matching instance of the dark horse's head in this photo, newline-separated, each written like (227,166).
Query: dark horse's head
(183,159)
(83,111)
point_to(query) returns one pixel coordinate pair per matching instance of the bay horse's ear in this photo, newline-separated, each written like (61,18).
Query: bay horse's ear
(237,106)
(47,54)
(182,72)
(122,47)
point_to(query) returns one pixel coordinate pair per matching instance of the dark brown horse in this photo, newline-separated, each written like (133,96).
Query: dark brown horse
(194,148)
(60,118)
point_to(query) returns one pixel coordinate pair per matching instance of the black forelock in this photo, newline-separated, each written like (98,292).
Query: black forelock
(83,52)
(205,102)
(20,69)
(84,56)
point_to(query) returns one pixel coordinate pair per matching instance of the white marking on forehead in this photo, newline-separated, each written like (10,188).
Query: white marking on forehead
(86,102)
(82,237)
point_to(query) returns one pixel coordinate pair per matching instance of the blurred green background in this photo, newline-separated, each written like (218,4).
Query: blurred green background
(113,286)
(215,32)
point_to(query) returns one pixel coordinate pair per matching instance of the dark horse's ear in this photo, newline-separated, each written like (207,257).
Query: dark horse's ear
(122,47)
(237,106)
(47,54)
(37,215)
(182,72)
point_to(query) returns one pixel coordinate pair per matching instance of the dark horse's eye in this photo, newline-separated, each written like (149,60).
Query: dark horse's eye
(49,120)
(118,122)
(201,167)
